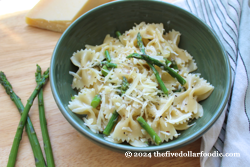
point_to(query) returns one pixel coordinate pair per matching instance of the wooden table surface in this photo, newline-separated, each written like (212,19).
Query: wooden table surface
(21,48)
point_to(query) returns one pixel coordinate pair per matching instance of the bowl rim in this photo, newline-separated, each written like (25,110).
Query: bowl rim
(123,147)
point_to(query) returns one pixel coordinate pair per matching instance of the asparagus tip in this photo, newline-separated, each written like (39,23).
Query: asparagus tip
(38,69)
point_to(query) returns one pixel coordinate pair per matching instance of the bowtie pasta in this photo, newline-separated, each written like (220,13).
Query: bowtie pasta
(164,113)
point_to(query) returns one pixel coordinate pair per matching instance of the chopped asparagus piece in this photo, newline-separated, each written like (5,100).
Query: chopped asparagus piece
(105,71)
(96,101)
(149,130)
(111,123)
(107,56)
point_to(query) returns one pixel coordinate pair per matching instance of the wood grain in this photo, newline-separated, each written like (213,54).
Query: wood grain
(21,48)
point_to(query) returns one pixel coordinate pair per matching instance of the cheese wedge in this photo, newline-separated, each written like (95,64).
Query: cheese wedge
(57,15)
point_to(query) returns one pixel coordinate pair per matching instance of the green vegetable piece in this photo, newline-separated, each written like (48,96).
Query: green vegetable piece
(135,55)
(96,101)
(140,43)
(111,123)
(151,65)
(109,65)
(153,61)
(172,72)
(43,124)
(125,85)
(105,71)
(107,56)
(177,90)
(180,89)
(174,65)
(118,34)
(34,142)
(167,62)
(158,78)
(149,130)
(19,132)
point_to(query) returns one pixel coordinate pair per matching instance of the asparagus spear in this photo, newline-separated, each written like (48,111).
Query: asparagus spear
(172,72)
(167,62)
(174,65)
(105,71)
(171,64)
(151,65)
(111,123)
(107,56)
(109,65)
(18,136)
(124,85)
(43,123)
(158,78)
(140,43)
(38,155)
(150,131)
(96,101)
(154,61)
(118,34)
(135,55)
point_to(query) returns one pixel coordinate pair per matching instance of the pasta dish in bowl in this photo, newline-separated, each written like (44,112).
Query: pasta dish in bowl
(165,113)
(159,84)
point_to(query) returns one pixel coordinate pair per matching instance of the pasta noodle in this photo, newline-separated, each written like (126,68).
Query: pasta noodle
(164,113)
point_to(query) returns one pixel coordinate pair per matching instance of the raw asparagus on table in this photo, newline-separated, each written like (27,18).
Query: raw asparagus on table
(43,123)
(111,123)
(96,101)
(38,155)
(149,130)
(19,132)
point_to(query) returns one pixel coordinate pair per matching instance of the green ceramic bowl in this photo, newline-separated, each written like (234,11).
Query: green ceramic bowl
(196,38)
